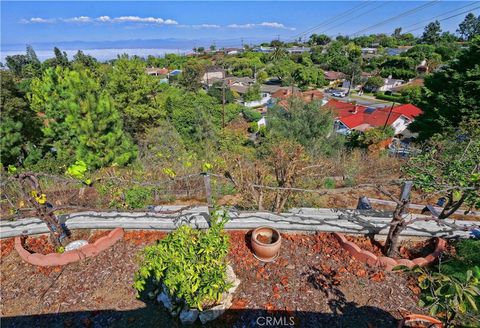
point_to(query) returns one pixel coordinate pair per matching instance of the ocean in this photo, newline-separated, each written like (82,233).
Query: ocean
(100,54)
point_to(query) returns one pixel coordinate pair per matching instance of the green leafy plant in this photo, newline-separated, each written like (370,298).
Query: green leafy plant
(138,197)
(329,183)
(190,263)
(78,170)
(453,300)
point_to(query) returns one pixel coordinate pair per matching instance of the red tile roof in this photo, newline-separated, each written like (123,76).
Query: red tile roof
(408,110)
(332,75)
(361,117)
(307,96)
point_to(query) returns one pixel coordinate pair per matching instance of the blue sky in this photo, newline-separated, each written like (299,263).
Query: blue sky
(32,22)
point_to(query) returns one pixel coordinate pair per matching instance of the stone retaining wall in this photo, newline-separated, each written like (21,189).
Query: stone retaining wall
(54,259)
(389,263)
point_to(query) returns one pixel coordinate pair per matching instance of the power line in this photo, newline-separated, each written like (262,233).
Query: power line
(441,20)
(333,19)
(445,13)
(405,13)
(357,16)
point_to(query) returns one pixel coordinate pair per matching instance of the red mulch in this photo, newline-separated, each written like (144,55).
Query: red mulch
(6,246)
(313,279)
(142,237)
(40,244)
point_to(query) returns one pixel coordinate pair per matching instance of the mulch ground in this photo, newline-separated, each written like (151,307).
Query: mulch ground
(313,283)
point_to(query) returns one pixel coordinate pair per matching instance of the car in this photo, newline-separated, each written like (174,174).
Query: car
(338,94)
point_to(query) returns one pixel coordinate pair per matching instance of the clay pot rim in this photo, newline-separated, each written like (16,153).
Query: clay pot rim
(255,233)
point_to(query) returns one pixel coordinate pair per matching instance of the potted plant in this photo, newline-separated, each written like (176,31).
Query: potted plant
(266,243)
(189,271)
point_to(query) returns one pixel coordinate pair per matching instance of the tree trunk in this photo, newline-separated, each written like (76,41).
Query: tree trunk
(397,225)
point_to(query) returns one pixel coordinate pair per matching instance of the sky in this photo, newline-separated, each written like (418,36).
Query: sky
(205,23)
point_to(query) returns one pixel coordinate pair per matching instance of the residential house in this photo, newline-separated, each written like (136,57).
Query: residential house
(266,91)
(156,71)
(298,50)
(175,72)
(281,96)
(292,50)
(232,51)
(368,53)
(234,80)
(418,82)
(212,74)
(334,78)
(397,51)
(350,116)
(389,84)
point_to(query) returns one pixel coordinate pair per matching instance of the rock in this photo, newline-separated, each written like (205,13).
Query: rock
(75,244)
(188,316)
(165,299)
(232,278)
(216,311)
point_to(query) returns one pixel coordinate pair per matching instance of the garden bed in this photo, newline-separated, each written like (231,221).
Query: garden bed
(314,281)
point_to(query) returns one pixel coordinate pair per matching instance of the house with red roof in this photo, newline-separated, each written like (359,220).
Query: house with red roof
(350,116)
(280,97)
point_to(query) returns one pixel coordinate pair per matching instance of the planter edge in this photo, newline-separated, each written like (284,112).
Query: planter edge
(388,263)
(55,259)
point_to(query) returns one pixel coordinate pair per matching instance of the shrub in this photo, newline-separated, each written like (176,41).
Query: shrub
(453,300)
(190,263)
(383,96)
(329,183)
(138,197)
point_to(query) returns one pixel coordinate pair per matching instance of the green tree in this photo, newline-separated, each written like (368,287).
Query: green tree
(19,126)
(262,77)
(135,94)
(283,69)
(470,27)
(431,34)
(252,93)
(216,92)
(307,124)
(86,61)
(450,166)
(374,82)
(412,94)
(451,95)
(306,77)
(24,66)
(82,121)
(397,33)
(319,40)
(191,76)
(279,51)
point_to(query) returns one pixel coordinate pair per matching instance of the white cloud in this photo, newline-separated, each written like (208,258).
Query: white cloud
(145,20)
(80,19)
(37,20)
(263,24)
(241,25)
(104,19)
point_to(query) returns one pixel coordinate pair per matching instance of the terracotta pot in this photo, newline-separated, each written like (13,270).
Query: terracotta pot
(266,243)
(413,318)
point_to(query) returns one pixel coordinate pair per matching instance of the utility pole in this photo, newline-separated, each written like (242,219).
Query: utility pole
(223,104)
(351,81)
(388,117)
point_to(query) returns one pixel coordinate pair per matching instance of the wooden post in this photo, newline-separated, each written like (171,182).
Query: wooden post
(406,189)
(208,191)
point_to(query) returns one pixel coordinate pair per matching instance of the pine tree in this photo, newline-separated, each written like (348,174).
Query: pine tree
(82,122)
(470,27)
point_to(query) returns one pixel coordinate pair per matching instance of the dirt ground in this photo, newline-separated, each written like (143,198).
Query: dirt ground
(313,283)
